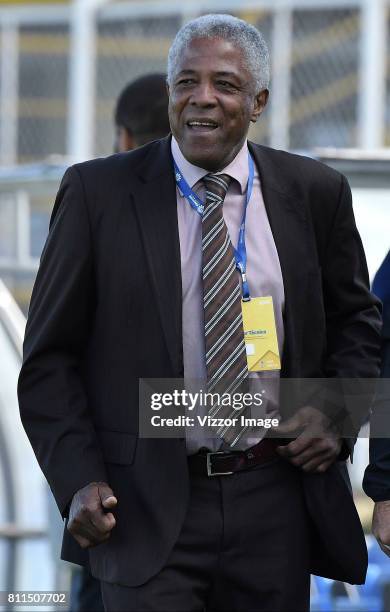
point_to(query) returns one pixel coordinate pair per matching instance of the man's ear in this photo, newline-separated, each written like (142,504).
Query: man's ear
(260,103)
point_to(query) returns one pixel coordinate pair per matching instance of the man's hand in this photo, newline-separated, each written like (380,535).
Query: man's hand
(381,525)
(88,522)
(316,446)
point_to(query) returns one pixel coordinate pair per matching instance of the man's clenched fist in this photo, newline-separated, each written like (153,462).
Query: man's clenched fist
(89,522)
(317,444)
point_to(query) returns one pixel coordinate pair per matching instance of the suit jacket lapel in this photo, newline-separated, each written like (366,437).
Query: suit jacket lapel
(156,209)
(288,222)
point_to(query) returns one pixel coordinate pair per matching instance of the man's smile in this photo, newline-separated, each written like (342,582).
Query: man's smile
(201,125)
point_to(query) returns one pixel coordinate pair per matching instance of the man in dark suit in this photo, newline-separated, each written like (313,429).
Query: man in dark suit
(139,279)
(376,481)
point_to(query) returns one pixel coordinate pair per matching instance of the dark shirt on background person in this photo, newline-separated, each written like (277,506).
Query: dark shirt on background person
(376,481)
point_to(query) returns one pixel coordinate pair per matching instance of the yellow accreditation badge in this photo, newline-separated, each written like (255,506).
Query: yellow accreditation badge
(261,339)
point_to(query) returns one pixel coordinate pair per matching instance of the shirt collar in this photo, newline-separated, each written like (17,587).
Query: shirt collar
(237,169)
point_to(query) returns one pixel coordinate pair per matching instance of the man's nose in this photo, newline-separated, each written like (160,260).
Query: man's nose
(203,95)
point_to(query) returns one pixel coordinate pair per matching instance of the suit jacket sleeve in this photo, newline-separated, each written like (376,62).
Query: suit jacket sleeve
(52,399)
(376,483)
(353,323)
(352,311)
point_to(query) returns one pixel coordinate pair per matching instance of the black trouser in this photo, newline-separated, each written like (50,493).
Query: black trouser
(244,546)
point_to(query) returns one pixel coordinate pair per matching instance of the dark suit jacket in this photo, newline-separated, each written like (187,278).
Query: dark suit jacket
(106,311)
(376,481)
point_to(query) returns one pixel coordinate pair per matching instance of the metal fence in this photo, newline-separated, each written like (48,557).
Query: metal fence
(61,68)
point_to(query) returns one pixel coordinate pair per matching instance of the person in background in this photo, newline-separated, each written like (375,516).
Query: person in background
(141,115)
(141,112)
(376,483)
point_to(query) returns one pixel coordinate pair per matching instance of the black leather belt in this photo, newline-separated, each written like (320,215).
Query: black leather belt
(223,463)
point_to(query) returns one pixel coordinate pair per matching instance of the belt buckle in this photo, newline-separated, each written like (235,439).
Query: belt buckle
(209,466)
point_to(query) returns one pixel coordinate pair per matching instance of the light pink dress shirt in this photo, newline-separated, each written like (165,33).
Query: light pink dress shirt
(263,273)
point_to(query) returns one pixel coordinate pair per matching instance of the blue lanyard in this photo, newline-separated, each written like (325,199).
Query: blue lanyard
(197,204)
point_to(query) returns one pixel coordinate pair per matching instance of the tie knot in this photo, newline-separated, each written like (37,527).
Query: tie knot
(216,187)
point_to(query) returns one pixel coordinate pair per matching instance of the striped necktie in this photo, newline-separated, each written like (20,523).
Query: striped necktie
(226,361)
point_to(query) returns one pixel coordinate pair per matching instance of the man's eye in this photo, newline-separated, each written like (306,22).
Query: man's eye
(226,84)
(185,81)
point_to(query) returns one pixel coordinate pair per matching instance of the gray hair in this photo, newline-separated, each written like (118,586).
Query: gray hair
(237,31)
